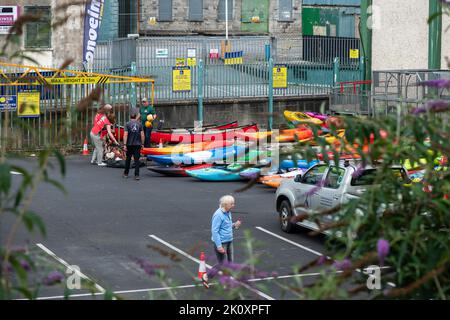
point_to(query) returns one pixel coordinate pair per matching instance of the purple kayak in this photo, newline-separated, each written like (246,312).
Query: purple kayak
(317,115)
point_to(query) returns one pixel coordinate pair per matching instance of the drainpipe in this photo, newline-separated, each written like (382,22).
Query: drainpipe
(365,30)
(435,34)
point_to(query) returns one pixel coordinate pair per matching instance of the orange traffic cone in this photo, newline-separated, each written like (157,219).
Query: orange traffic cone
(85,147)
(202,275)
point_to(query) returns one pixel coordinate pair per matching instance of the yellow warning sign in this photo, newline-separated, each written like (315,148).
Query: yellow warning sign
(77,80)
(181,79)
(28,104)
(354,54)
(191,62)
(180,62)
(280,77)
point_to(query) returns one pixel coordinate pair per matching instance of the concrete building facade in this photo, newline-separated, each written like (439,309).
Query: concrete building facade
(60,35)
(400,35)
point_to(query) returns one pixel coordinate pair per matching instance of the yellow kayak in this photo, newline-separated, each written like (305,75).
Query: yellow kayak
(297,117)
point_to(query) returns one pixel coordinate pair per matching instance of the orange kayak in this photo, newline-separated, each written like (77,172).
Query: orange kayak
(291,135)
(185,148)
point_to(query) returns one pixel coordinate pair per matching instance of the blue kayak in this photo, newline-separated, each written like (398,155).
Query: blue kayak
(207,156)
(219,174)
(302,164)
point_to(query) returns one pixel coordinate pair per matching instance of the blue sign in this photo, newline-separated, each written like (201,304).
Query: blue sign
(8,103)
(92,20)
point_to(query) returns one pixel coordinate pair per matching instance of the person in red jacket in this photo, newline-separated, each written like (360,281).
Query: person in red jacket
(100,121)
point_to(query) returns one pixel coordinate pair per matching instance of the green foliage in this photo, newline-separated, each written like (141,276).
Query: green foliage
(17,267)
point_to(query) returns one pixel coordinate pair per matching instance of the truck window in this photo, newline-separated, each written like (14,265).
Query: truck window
(334,177)
(367,177)
(314,175)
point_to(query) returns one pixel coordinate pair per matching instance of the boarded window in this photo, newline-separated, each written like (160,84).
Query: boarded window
(38,34)
(165,10)
(285,9)
(195,10)
(221,13)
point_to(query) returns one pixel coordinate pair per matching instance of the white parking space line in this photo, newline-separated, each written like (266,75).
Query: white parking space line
(79,273)
(261,294)
(180,287)
(291,242)
(313,251)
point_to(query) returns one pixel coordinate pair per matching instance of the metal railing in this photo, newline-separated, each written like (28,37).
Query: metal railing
(394,88)
(309,61)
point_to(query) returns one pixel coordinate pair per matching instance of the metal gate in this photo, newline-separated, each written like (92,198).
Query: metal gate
(43,107)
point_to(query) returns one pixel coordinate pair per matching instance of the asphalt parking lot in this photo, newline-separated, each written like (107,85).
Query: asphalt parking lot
(105,223)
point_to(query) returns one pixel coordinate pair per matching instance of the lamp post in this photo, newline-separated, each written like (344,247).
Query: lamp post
(226,22)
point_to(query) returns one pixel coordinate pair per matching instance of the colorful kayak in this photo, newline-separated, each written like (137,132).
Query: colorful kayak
(185,148)
(274,181)
(297,117)
(185,136)
(219,174)
(317,115)
(177,171)
(208,156)
(226,125)
(302,164)
(291,135)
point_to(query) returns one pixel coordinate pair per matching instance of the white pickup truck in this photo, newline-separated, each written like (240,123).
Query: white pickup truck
(324,186)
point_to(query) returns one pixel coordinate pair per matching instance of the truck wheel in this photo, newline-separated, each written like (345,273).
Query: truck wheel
(286,216)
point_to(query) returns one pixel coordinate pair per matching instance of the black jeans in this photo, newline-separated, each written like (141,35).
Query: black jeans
(135,152)
(228,246)
(148,134)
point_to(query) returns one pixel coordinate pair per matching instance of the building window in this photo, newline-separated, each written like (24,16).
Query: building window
(127,17)
(285,10)
(221,15)
(165,10)
(38,34)
(195,10)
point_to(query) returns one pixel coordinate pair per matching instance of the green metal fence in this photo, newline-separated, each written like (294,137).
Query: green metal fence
(66,111)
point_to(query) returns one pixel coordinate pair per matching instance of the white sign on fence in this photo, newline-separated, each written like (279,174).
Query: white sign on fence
(162,53)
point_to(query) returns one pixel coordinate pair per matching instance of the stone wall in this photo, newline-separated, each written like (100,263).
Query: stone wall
(210,23)
(244,111)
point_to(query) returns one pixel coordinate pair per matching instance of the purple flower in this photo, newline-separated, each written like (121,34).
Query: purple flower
(148,267)
(52,278)
(383,250)
(342,265)
(213,272)
(319,185)
(321,260)
(228,281)
(432,106)
(438,83)
(235,266)
(25,265)
(358,172)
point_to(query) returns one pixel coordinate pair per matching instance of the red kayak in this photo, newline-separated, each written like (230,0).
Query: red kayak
(119,130)
(177,171)
(184,136)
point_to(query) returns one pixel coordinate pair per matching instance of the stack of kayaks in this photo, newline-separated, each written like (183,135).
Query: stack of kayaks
(201,135)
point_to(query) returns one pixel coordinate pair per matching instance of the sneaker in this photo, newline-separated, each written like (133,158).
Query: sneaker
(102,164)
(93,162)
(137,178)
(125,176)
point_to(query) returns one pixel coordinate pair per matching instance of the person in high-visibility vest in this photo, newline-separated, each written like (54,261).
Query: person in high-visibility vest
(145,110)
